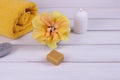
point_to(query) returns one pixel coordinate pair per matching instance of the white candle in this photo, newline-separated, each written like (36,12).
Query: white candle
(80,22)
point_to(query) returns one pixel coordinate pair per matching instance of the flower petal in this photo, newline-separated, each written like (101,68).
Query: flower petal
(65,36)
(40,36)
(52,44)
(56,15)
(38,24)
(46,18)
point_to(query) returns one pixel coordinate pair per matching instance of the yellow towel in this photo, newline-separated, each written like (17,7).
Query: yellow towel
(16,17)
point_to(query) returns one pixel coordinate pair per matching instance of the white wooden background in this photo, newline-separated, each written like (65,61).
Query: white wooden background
(91,56)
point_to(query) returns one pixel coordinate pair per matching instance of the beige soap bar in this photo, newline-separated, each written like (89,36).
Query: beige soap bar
(55,57)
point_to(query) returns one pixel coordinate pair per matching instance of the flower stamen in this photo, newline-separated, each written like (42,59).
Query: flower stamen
(51,30)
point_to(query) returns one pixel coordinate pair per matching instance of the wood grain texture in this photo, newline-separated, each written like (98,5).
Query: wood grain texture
(91,37)
(98,13)
(66,71)
(102,24)
(73,54)
(77,3)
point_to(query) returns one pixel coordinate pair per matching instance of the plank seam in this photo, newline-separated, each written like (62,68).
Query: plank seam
(16,45)
(62,62)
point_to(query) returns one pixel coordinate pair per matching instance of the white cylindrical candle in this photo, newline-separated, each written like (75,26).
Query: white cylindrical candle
(80,22)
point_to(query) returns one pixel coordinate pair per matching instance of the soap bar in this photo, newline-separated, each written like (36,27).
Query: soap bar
(55,57)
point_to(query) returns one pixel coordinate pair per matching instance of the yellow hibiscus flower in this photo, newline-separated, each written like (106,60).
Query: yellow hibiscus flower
(51,28)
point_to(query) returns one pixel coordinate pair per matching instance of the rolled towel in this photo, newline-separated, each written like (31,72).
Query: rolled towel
(16,17)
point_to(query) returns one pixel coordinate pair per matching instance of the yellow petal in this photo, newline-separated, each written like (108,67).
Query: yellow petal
(56,15)
(52,44)
(56,38)
(46,18)
(38,24)
(39,35)
(65,36)
(64,28)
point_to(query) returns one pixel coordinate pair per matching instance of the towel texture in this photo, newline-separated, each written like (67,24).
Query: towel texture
(16,17)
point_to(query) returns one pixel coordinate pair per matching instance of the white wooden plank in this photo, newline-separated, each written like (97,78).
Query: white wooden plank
(77,3)
(91,37)
(95,37)
(66,71)
(92,12)
(102,24)
(82,53)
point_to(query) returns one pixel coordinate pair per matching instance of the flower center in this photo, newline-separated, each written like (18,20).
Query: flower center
(51,30)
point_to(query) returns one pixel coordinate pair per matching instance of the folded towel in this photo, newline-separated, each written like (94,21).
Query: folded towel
(16,17)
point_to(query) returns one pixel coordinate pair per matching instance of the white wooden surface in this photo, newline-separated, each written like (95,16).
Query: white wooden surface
(91,56)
